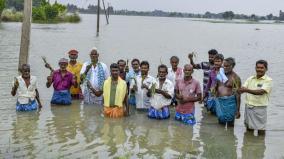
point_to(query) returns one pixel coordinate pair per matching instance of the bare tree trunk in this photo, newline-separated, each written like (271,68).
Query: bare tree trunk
(26,30)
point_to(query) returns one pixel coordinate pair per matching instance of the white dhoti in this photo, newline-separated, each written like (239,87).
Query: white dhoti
(255,117)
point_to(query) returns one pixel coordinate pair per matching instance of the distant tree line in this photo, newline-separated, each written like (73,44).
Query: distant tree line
(18,5)
(92,9)
(228,15)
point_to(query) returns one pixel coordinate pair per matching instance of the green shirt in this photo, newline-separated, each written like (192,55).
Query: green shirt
(112,94)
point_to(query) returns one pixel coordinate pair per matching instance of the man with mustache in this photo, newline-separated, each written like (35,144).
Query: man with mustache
(188,91)
(93,75)
(227,99)
(257,89)
(161,94)
(115,94)
(62,81)
(25,86)
(140,87)
(75,67)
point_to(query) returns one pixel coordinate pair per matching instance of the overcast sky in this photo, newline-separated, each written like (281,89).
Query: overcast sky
(259,7)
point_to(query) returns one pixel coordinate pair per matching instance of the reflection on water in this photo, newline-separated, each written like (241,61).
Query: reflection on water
(81,131)
(218,142)
(23,135)
(254,147)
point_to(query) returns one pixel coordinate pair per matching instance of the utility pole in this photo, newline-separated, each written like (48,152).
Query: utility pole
(105,11)
(98,18)
(26,32)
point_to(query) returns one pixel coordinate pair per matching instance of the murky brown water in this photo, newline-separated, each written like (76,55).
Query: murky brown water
(80,131)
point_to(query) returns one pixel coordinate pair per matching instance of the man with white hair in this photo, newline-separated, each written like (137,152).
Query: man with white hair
(62,81)
(93,75)
(25,87)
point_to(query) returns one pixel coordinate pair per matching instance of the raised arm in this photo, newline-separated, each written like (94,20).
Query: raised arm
(195,66)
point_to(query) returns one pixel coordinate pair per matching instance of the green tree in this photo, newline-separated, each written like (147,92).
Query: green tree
(60,7)
(38,13)
(269,17)
(50,12)
(228,15)
(253,17)
(19,4)
(2,6)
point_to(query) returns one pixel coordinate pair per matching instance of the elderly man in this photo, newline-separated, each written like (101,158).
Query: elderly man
(93,75)
(25,86)
(115,94)
(75,67)
(227,99)
(257,89)
(188,91)
(62,81)
(161,93)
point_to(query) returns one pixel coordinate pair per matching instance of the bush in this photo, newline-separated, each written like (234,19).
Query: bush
(9,15)
(50,12)
(2,6)
(38,14)
(44,13)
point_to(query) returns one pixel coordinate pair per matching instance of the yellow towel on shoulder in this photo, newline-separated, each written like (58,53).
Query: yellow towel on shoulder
(120,93)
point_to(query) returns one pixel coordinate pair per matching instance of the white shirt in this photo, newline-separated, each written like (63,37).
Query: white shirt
(142,101)
(26,94)
(158,100)
(173,76)
(94,73)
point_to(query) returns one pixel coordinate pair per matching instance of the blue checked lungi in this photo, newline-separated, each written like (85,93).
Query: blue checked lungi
(163,113)
(32,105)
(226,108)
(61,97)
(188,119)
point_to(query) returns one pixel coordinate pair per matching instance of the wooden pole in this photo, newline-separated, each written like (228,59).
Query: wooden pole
(105,11)
(108,10)
(26,30)
(98,18)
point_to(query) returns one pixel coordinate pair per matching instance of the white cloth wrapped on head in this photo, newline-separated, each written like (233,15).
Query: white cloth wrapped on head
(221,76)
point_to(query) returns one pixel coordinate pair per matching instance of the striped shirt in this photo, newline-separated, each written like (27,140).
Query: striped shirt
(206,67)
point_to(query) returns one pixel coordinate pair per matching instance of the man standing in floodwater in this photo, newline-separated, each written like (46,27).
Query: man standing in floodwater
(75,67)
(257,89)
(174,74)
(122,72)
(227,99)
(131,74)
(25,86)
(115,94)
(206,66)
(161,95)
(139,86)
(62,81)
(188,91)
(93,75)
(215,74)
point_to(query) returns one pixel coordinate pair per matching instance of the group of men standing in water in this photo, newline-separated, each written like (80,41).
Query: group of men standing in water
(120,87)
